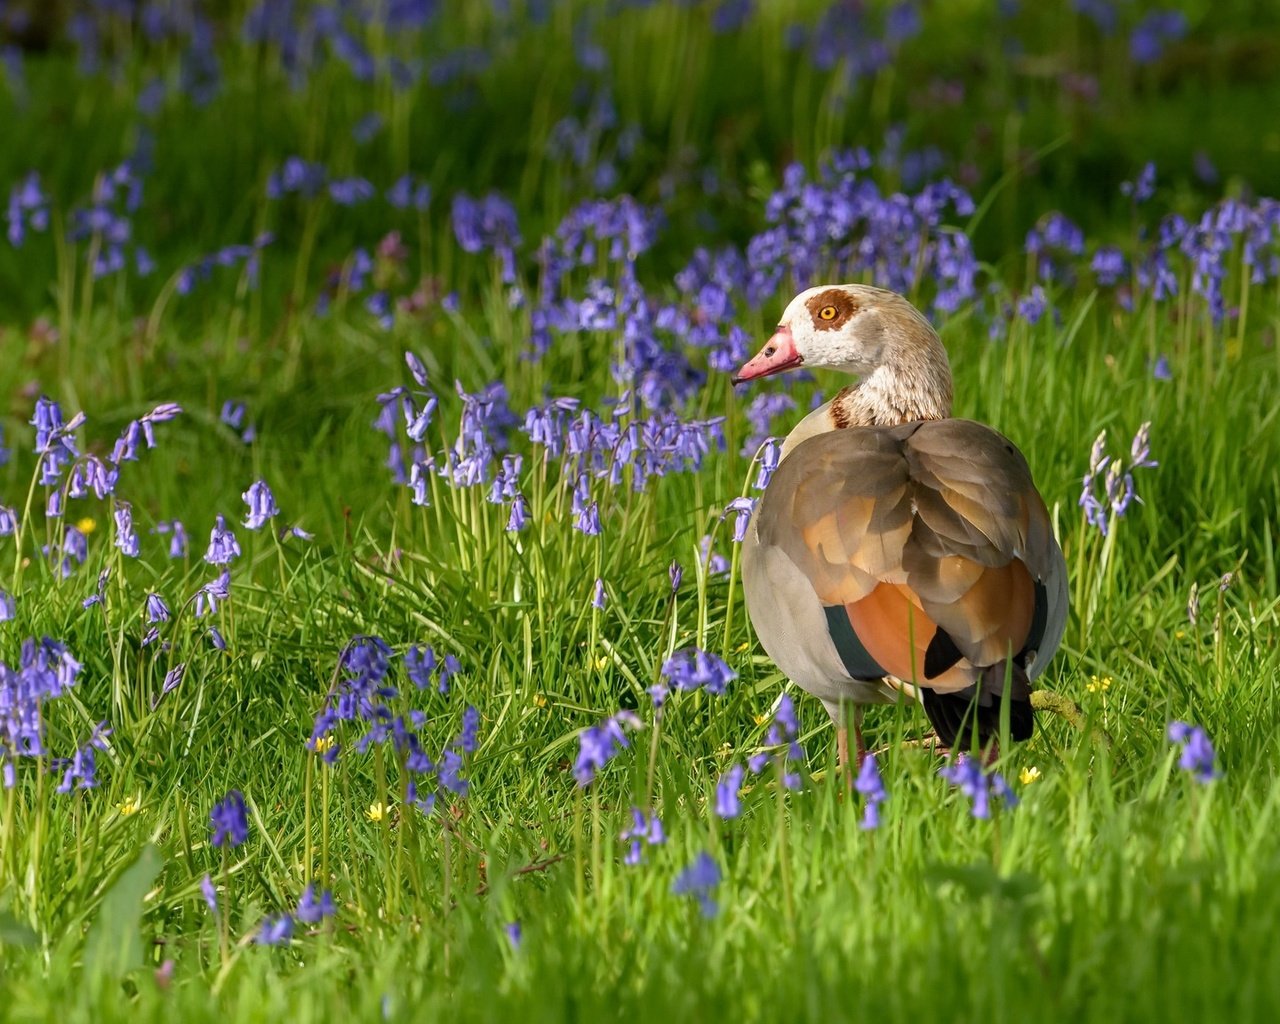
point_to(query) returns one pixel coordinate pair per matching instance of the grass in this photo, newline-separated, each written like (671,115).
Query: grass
(1118,888)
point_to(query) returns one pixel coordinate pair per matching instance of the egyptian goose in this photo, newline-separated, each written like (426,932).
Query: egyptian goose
(896,549)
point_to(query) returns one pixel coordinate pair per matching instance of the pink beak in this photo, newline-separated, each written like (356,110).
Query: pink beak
(778,354)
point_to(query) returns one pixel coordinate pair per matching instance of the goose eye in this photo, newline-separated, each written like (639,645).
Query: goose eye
(770,350)
(827,312)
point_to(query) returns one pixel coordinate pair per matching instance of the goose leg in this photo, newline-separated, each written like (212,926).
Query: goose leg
(842,744)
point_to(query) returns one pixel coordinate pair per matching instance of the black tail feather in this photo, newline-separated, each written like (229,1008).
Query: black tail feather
(953,715)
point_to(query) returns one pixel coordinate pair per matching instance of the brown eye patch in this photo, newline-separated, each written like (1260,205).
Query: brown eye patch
(831,309)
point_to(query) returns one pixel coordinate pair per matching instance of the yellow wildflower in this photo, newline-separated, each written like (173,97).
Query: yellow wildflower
(130,806)
(376,811)
(87,525)
(1099,684)
(1028,775)
(540,700)
(324,744)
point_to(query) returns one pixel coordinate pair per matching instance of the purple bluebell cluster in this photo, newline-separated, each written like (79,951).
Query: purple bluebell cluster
(249,257)
(842,226)
(783,739)
(80,770)
(728,802)
(595,456)
(871,786)
(1108,487)
(691,669)
(314,907)
(488,224)
(364,696)
(28,209)
(1198,757)
(229,820)
(68,475)
(599,744)
(645,830)
(1153,33)
(979,785)
(46,671)
(699,880)
(856,39)
(105,222)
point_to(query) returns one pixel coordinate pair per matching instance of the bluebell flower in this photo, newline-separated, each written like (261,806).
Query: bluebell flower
(1108,265)
(514,933)
(8,521)
(296,176)
(126,446)
(378,305)
(313,909)
(447,772)
(599,744)
(417,421)
(408,192)
(871,786)
(232,414)
(644,830)
(977,784)
(262,507)
(449,668)
(172,680)
(216,639)
(8,608)
(157,610)
(419,664)
(275,931)
(28,208)
(487,223)
(100,594)
(210,894)
(223,546)
(598,596)
(126,538)
(728,805)
(208,596)
(54,443)
(770,457)
(229,820)
(1147,42)
(1144,187)
(675,572)
(80,771)
(466,740)
(691,668)
(1031,307)
(741,509)
(1198,756)
(698,880)
(350,191)
(588,520)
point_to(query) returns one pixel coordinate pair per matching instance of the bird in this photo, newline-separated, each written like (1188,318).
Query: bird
(896,550)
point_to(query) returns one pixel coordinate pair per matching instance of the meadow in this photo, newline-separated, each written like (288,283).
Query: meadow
(372,643)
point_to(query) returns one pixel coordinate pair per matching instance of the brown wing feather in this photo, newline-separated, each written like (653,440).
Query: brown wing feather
(916,527)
